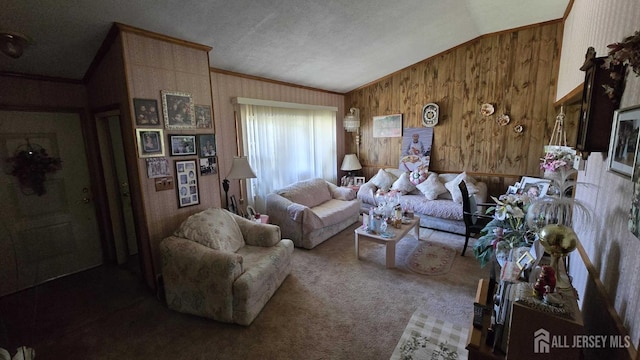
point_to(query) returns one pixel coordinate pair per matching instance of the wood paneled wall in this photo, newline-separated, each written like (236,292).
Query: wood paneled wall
(139,64)
(515,71)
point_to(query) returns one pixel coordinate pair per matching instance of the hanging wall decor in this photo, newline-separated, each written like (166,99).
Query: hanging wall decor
(30,164)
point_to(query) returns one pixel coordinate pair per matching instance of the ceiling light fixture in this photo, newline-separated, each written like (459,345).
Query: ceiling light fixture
(13,44)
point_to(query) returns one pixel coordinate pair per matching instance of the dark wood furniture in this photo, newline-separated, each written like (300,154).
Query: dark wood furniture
(596,113)
(474,221)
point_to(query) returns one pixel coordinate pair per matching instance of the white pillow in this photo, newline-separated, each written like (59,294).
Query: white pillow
(432,187)
(403,184)
(453,188)
(383,180)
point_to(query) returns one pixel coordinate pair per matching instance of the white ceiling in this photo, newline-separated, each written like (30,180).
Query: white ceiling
(336,45)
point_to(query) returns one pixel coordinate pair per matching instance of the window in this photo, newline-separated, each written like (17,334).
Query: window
(286,143)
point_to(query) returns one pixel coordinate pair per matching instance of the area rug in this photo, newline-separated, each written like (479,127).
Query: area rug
(431,258)
(427,337)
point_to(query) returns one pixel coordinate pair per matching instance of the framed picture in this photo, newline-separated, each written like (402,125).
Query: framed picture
(157,167)
(177,109)
(359,180)
(182,145)
(150,142)
(208,166)
(203,117)
(387,126)
(206,145)
(624,141)
(146,111)
(534,187)
(187,181)
(416,149)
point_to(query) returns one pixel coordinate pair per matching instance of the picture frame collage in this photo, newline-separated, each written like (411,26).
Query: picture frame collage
(196,150)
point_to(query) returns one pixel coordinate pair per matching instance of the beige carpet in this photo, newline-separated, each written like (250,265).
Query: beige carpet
(332,306)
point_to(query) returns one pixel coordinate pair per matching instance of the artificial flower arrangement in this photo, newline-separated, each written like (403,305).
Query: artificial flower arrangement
(507,230)
(31,165)
(557,158)
(626,52)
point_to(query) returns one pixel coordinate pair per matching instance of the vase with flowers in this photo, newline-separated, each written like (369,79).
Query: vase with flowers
(506,231)
(557,158)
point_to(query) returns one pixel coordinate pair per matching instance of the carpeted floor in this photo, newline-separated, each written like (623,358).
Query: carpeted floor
(332,306)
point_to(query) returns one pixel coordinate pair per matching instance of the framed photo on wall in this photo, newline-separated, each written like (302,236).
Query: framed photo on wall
(387,126)
(150,142)
(623,145)
(182,145)
(187,183)
(206,145)
(203,117)
(146,111)
(157,167)
(178,110)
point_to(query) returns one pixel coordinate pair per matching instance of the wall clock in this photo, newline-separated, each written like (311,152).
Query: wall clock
(430,113)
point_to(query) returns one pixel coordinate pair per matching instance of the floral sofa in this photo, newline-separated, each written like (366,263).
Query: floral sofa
(224,267)
(435,198)
(311,211)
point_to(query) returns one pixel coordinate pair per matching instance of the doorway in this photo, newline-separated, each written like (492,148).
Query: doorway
(52,231)
(112,153)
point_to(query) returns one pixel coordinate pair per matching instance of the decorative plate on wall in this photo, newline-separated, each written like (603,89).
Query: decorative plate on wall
(430,114)
(503,120)
(486,109)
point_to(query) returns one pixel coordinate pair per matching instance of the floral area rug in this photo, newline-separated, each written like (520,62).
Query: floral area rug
(431,258)
(427,337)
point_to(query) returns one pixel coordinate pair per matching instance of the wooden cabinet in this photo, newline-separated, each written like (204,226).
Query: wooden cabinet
(530,325)
(598,105)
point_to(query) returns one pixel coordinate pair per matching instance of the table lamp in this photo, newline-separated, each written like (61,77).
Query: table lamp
(240,169)
(350,164)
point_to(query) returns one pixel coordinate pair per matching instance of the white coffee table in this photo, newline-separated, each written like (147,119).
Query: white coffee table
(390,242)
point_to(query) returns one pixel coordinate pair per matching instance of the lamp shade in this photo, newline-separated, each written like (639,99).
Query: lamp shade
(350,163)
(240,169)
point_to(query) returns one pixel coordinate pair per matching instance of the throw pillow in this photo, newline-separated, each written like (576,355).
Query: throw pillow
(383,180)
(419,175)
(453,188)
(403,184)
(432,187)
(214,228)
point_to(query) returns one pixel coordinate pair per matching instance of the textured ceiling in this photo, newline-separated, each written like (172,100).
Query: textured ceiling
(336,45)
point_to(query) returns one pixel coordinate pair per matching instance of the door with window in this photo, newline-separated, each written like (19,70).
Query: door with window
(47,231)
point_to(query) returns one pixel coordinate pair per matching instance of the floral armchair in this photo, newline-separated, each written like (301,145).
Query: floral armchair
(224,267)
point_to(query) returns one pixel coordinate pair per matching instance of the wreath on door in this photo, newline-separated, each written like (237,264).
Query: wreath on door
(30,164)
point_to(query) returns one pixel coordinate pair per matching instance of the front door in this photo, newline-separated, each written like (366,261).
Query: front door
(55,233)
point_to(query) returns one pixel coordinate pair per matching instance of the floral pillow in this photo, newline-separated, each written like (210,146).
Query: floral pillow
(383,180)
(432,187)
(419,175)
(214,228)
(453,188)
(403,184)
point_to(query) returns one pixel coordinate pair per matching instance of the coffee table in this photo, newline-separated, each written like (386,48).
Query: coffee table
(390,242)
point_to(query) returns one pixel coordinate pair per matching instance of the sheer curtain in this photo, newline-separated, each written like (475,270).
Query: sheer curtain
(285,145)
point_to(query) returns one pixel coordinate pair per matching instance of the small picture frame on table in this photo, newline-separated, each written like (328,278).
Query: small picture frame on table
(150,142)
(623,145)
(359,180)
(534,187)
(187,183)
(182,145)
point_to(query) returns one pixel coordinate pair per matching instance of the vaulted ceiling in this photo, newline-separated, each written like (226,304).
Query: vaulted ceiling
(335,45)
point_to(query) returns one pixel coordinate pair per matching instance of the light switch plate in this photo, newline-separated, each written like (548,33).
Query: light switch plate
(164,183)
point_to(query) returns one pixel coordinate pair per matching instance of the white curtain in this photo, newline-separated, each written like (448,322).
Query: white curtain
(285,145)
